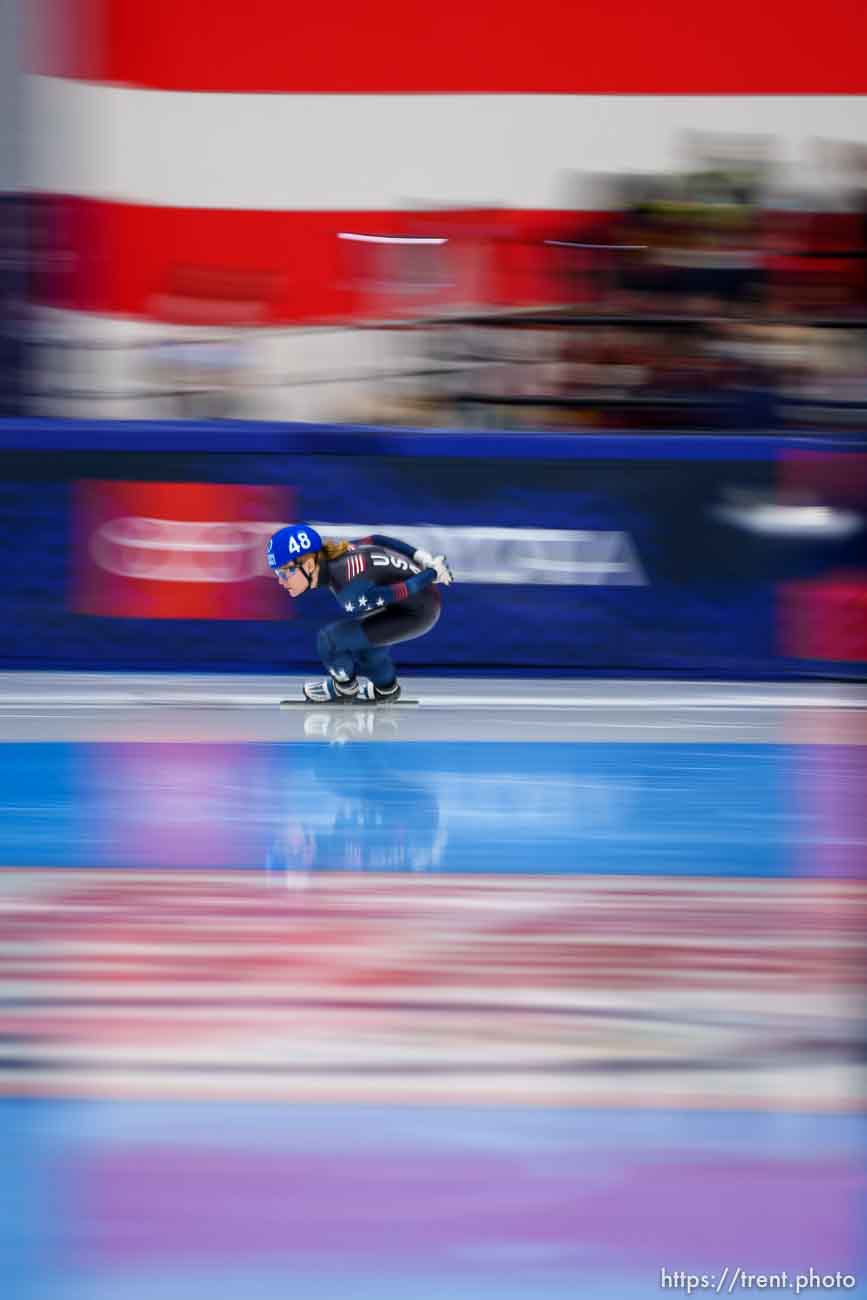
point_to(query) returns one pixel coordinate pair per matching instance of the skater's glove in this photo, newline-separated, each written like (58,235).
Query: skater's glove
(423,559)
(443,572)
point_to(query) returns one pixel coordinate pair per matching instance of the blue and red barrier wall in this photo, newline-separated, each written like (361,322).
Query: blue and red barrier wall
(141,545)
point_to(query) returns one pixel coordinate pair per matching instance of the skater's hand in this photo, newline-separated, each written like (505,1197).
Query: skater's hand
(423,559)
(443,572)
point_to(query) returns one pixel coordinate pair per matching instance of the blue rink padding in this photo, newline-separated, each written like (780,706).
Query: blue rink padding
(685,586)
(507,807)
(222,1201)
(279,438)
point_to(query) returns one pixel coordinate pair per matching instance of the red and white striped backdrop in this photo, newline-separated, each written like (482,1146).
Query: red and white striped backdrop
(194,134)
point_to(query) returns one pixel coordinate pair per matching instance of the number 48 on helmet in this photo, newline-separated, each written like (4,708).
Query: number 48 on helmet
(292,543)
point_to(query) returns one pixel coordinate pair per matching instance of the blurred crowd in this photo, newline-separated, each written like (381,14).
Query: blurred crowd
(726,295)
(717,297)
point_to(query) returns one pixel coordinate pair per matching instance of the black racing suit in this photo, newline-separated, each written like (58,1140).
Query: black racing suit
(387,599)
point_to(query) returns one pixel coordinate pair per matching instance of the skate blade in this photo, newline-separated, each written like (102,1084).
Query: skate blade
(350,704)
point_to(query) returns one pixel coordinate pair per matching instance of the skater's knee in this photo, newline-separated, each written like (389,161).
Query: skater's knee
(340,638)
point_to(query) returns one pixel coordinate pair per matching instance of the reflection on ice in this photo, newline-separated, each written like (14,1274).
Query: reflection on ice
(336,802)
(357,810)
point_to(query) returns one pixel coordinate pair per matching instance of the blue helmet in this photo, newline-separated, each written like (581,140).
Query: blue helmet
(292,543)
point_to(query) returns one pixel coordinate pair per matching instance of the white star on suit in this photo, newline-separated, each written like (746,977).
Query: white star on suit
(380,601)
(362,602)
(349,607)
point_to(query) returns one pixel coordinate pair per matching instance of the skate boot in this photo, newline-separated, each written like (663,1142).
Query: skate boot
(379,694)
(332,692)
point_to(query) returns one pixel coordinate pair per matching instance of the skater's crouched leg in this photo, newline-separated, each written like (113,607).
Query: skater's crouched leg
(340,646)
(346,650)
